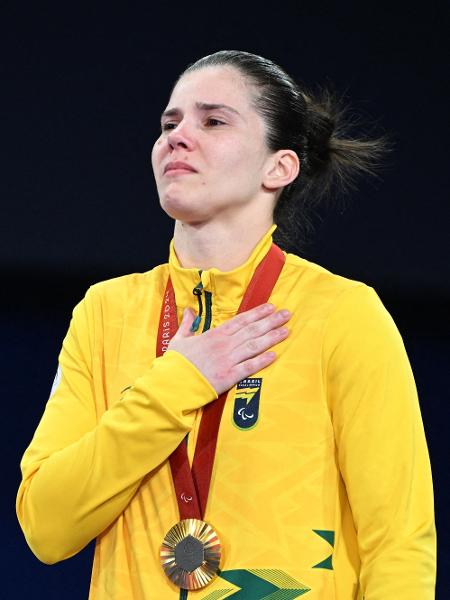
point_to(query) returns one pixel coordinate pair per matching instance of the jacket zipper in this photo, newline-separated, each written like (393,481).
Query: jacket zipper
(197,291)
(208,315)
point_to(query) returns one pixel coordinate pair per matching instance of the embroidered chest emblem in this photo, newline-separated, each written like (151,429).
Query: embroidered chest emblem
(246,403)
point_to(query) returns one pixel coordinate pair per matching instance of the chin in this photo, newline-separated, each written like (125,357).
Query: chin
(182,210)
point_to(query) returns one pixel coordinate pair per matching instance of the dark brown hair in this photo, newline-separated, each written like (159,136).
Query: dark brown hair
(316,127)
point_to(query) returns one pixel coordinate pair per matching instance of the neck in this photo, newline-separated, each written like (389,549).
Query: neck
(213,244)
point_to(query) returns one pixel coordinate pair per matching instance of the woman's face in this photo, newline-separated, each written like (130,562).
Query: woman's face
(225,145)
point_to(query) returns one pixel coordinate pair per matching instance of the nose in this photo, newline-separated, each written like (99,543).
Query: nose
(181,136)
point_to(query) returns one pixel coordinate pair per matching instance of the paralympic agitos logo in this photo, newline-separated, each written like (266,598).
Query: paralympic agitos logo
(246,403)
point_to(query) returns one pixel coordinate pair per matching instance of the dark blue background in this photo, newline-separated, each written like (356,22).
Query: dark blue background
(82,92)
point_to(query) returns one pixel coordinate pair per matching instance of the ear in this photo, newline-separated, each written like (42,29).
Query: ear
(283,167)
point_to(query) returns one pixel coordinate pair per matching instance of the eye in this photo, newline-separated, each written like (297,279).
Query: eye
(210,121)
(167,126)
(216,121)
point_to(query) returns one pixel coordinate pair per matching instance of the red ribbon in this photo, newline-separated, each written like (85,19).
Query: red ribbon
(192,487)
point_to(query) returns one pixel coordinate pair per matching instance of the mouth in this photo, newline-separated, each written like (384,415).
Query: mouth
(178,168)
(173,172)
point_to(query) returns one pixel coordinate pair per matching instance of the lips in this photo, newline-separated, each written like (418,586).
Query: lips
(178,165)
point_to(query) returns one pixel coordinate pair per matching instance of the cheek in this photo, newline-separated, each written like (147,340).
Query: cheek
(230,154)
(243,163)
(156,152)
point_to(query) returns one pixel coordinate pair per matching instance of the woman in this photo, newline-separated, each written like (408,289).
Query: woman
(318,482)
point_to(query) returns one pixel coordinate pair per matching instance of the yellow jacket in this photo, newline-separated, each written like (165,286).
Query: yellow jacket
(328,494)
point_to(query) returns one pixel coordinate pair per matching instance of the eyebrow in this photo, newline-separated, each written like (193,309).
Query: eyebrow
(203,106)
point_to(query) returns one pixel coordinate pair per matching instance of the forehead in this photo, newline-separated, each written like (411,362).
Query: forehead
(214,85)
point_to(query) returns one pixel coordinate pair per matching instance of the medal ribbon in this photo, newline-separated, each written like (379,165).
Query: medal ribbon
(192,486)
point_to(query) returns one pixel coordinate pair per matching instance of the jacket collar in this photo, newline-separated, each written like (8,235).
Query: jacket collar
(227,288)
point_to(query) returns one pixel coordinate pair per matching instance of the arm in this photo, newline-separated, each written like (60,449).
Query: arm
(79,474)
(382,450)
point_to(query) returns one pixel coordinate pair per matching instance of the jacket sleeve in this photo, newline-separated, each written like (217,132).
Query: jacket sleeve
(79,472)
(382,449)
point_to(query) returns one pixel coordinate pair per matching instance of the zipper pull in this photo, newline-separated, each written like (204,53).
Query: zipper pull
(197,291)
(195,324)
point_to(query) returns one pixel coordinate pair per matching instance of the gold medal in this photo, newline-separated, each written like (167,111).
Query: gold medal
(190,554)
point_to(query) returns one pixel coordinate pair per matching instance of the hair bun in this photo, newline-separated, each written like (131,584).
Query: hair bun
(320,126)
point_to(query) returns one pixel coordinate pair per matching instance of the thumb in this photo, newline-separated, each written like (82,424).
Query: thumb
(186,322)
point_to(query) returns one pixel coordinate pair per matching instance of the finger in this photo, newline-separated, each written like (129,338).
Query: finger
(253,365)
(255,346)
(262,326)
(249,316)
